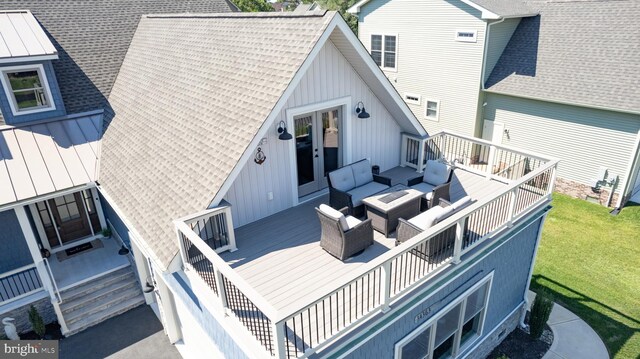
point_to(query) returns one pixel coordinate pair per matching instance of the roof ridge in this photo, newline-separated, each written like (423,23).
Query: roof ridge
(315,13)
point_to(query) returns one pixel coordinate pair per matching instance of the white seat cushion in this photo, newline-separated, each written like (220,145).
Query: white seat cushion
(462,202)
(352,221)
(362,172)
(425,188)
(430,218)
(362,192)
(436,173)
(335,214)
(342,179)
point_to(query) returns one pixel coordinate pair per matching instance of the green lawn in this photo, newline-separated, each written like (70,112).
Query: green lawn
(590,261)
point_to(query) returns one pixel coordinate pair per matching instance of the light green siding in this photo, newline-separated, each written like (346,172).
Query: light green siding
(499,36)
(431,63)
(583,139)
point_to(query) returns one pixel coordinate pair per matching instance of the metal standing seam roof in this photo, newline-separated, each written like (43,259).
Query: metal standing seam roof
(48,157)
(583,52)
(192,93)
(92,38)
(21,37)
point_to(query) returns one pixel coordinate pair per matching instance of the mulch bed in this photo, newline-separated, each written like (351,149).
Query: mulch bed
(519,345)
(52,333)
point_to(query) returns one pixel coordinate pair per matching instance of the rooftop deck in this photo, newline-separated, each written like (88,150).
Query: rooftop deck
(294,298)
(280,255)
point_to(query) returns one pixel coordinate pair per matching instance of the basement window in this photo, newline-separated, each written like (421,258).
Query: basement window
(27,89)
(412,98)
(466,35)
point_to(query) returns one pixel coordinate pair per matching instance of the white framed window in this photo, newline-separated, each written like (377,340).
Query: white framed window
(27,89)
(384,51)
(432,110)
(452,330)
(412,98)
(466,35)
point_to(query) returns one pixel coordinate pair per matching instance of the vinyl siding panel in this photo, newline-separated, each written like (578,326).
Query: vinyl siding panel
(330,77)
(499,36)
(14,252)
(431,62)
(583,139)
(510,263)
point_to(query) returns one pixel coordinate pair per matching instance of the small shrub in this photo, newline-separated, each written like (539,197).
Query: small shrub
(37,323)
(503,356)
(540,312)
(106,232)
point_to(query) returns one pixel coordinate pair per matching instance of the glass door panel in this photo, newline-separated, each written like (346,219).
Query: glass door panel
(331,140)
(305,153)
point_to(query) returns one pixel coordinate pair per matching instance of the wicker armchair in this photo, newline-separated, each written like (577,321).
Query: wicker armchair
(342,243)
(435,184)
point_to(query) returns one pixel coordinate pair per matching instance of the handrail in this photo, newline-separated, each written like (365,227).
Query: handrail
(437,229)
(17,270)
(227,271)
(53,279)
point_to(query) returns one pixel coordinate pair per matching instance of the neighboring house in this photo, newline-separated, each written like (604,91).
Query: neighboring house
(203,146)
(554,77)
(58,63)
(307,7)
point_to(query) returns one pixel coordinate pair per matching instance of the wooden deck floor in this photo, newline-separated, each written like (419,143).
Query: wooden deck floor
(281,258)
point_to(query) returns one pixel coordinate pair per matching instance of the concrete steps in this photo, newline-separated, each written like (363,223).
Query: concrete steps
(91,303)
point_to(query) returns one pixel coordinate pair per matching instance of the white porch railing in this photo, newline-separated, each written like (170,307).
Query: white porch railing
(19,283)
(499,162)
(300,332)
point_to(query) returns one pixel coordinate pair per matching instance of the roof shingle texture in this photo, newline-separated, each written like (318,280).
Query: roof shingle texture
(583,52)
(506,8)
(92,38)
(190,96)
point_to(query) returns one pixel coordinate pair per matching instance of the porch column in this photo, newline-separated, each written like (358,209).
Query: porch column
(32,243)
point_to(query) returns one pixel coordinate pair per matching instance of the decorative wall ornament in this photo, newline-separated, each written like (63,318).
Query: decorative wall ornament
(10,329)
(260,156)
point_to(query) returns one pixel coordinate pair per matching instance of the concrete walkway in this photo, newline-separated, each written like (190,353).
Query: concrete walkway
(135,334)
(572,337)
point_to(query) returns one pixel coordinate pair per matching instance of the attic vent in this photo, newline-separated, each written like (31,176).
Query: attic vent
(412,98)
(466,35)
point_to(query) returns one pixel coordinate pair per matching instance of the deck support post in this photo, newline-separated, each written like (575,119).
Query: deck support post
(279,348)
(421,164)
(386,285)
(491,161)
(231,233)
(457,247)
(221,291)
(512,206)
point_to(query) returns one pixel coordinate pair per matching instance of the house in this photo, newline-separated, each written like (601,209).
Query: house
(213,167)
(58,62)
(314,6)
(506,71)
(206,156)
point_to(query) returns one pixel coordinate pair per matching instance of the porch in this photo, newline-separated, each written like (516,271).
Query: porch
(72,270)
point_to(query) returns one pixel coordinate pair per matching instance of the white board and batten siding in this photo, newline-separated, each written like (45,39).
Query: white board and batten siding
(499,36)
(330,77)
(583,139)
(430,62)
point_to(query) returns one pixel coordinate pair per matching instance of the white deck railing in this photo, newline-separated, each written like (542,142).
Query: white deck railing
(377,286)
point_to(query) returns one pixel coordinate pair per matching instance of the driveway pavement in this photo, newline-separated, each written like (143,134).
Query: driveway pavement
(134,334)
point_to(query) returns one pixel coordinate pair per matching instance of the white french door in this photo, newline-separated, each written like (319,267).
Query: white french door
(318,137)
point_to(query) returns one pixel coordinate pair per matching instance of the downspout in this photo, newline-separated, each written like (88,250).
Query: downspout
(481,103)
(533,262)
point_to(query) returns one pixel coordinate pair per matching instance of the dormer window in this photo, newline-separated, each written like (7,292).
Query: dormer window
(27,89)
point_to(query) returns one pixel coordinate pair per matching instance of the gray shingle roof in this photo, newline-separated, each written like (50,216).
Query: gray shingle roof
(584,52)
(505,8)
(190,96)
(92,37)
